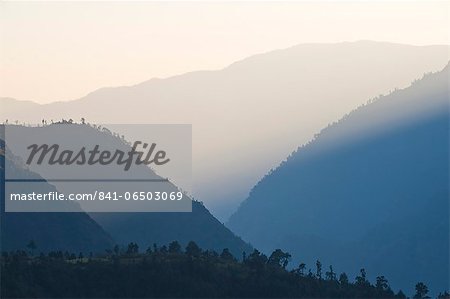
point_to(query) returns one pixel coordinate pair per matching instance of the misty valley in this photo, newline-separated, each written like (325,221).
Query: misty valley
(354,205)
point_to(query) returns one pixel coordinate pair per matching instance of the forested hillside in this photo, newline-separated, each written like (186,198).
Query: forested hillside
(371,190)
(171,271)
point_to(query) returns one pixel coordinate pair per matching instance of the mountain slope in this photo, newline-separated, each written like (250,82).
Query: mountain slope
(124,227)
(162,228)
(51,231)
(289,94)
(350,194)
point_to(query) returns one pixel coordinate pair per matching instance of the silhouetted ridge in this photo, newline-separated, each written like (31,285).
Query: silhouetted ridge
(49,231)
(385,162)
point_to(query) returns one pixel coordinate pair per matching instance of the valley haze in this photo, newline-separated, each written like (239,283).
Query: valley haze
(213,149)
(252,114)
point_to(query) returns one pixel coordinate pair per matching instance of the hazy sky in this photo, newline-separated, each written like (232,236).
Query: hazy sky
(53,51)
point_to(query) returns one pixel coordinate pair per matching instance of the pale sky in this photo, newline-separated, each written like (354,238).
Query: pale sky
(53,51)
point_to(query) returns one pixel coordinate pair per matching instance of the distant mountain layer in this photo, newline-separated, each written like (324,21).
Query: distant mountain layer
(288,94)
(371,190)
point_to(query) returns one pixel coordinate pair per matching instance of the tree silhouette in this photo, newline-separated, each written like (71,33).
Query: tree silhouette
(301,269)
(361,279)
(278,258)
(330,275)
(31,246)
(319,269)
(193,250)
(343,279)
(116,249)
(382,283)
(133,248)
(421,291)
(256,261)
(174,247)
(226,255)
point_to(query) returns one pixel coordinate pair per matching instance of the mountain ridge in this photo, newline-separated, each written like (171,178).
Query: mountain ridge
(281,93)
(143,228)
(324,200)
(230,65)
